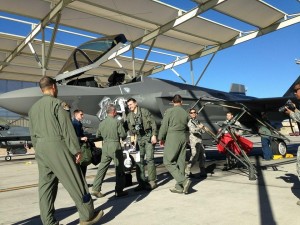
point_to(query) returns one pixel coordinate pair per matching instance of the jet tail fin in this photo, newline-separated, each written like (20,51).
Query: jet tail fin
(290,92)
(237,89)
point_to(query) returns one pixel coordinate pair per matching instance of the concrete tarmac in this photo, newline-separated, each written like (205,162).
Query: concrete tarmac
(223,198)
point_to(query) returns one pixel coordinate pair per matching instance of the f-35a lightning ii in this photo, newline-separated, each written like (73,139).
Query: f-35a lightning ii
(154,94)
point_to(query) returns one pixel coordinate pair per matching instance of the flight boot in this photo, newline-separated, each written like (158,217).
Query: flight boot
(186,186)
(152,185)
(97,194)
(97,216)
(175,190)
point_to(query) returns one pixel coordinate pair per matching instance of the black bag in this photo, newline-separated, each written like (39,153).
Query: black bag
(96,154)
(86,154)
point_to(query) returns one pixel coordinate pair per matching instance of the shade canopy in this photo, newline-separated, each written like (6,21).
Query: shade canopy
(144,23)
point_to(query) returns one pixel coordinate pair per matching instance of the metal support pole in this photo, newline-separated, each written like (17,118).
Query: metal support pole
(133,64)
(192,72)
(147,55)
(43,52)
(54,32)
(211,58)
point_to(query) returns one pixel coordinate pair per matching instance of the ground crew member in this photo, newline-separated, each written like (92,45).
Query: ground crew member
(295,115)
(173,134)
(111,130)
(76,121)
(57,149)
(231,161)
(265,139)
(229,117)
(142,124)
(197,148)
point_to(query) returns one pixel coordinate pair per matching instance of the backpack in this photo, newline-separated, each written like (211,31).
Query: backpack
(96,154)
(86,154)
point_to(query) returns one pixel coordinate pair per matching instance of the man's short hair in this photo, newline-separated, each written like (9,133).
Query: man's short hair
(131,100)
(110,108)
(46,82)
(230,113)
(192,109)
(177,99)
(77,111)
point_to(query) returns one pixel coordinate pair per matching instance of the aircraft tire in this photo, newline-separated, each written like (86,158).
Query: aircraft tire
(7,158)
(278,147)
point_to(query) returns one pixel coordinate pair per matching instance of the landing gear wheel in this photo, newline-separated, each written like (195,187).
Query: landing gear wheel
(231,162)
(278,147)
(7,158)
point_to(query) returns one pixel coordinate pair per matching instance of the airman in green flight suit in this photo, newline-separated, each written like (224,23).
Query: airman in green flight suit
(173,135)
(111,130)
(58,154)
(142,124)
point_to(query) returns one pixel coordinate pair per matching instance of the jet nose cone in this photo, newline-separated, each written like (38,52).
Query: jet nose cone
(20,101)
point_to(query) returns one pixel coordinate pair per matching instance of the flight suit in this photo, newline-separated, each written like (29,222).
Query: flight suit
(144,126)
(174,131)
(197,148)
(55,144)
(111,130)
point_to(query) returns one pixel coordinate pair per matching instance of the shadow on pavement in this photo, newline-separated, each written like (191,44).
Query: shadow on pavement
(293,179)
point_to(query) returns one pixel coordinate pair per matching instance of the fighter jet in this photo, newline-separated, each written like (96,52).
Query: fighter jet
(16,139)
(154,94)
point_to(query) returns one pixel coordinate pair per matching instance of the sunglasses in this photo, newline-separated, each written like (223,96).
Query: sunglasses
(193,113)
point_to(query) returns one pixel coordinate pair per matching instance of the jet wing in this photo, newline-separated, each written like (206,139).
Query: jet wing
(15,138)
(266,104)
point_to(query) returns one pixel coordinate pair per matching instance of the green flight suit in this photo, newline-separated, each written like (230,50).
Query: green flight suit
(144,119)
(55,143)
(111,130)
(173,131)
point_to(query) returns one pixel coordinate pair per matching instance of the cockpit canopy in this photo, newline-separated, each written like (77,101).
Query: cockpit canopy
(89,53)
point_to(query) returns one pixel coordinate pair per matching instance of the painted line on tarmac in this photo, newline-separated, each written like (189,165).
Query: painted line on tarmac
(36,185)
(18,188)
(28,186)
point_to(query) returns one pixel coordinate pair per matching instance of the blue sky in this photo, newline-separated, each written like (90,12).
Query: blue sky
(265,65)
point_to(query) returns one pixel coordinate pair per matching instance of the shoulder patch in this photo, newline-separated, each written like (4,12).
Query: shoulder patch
(65,106)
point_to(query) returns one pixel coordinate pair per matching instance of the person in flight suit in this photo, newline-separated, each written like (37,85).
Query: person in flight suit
(58,154)
(141,123)
(197,148)
(173,134)
(111,130)
(76,121)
